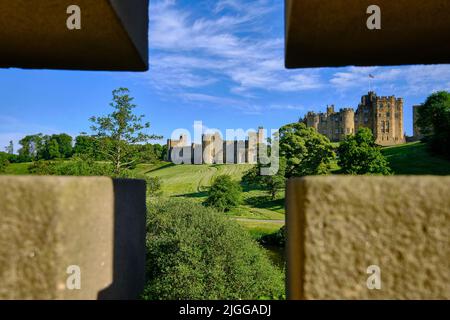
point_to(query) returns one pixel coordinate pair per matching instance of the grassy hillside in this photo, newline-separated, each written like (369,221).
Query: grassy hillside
(191,181)
(415,159)
(17,168)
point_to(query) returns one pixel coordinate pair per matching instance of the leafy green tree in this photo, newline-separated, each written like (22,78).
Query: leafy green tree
(271,183)
(358,154)
(32,147)
(123,129)
(64,141)
(434,122)
(51,149)
(193,252)
(306,151)
(224,194)
(85,145)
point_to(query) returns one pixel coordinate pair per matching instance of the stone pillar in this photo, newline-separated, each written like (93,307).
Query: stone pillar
(230,152)
(53,225)
(252,148)
(197,153)
(240,151)
(339,227)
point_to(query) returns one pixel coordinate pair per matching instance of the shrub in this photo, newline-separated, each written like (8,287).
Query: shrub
(272,184)
(358,154)
(224,194)
(277,238)
(4,161)
(194,252)
(75,167)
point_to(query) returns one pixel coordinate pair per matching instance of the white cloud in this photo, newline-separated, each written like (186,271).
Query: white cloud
(234,46)
(406,80)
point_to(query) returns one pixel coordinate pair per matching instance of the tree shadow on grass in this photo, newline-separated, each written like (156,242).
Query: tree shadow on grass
(265,202)
(201,194)
(168,165)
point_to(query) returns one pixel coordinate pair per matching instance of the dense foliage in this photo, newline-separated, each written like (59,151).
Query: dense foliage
(271,183)
(193,252)
(74,167)
(306,151)
(274,239)
(224,193)
(358,154)
(434,122)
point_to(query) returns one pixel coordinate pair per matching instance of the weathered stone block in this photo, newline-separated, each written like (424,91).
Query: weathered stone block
(50,223)
(113,35)
(330,33)
(339,226)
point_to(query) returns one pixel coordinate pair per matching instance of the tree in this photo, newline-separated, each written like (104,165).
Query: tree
(196,253)
(64,141)
(32,146)
(358,154)
(271,183)
(224,194)
(51,149)
(434,122)
(306,151)
(121,129)
(10,148)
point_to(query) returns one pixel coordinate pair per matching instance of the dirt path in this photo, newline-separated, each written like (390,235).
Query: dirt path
(259,220)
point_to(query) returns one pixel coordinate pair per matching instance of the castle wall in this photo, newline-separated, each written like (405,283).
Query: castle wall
(383,115)
(214,150)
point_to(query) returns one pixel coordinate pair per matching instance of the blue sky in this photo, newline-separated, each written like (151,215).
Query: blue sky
(220,62)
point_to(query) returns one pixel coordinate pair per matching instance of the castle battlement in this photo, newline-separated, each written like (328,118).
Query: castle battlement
(386,123)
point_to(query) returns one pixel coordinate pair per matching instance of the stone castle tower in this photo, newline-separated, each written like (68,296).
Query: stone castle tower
(383,115)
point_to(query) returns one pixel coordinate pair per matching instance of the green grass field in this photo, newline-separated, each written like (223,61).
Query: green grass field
(191,181)
(415,159)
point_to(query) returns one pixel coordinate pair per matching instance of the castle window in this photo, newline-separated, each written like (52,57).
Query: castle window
(387,126)
(383,127)
(388,114)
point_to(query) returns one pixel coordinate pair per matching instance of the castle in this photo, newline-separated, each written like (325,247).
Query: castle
(215,150)
(382,115)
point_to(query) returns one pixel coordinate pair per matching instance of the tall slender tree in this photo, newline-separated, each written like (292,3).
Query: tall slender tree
(120,131)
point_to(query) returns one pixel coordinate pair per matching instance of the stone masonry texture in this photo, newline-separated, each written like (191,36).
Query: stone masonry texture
(339,226)
(50,223)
